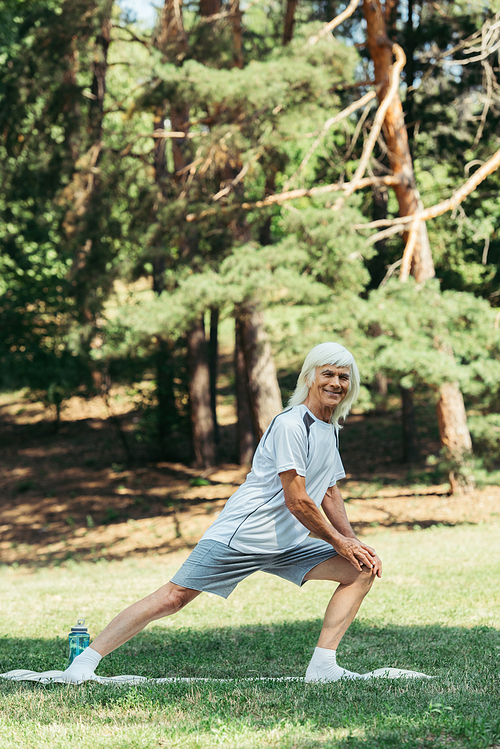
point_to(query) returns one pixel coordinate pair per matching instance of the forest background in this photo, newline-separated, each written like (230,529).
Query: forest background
(186,210)
(264,173)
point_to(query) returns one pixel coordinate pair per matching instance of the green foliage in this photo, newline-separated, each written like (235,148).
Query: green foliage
(43,118)
(485,431)
(89,208)
(424,336)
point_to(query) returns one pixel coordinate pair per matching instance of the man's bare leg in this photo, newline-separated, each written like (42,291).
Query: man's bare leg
(165,601)
(340,613)
(345,602)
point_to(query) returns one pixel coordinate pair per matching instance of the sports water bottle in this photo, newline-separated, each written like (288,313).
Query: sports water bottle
(79,639)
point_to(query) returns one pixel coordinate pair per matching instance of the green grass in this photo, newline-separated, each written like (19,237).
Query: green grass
(437,609)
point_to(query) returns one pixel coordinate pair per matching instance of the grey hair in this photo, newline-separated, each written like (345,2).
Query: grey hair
(327,353)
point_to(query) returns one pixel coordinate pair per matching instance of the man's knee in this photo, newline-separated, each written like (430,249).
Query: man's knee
(170,599)
(365,578)
(176,599)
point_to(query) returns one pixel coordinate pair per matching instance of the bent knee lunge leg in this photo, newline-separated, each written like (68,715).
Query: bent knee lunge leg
(342,609)
(340,613)
(364,580)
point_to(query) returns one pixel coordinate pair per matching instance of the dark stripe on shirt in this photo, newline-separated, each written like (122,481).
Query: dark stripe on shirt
(272,424)
(308,420)
(251,513)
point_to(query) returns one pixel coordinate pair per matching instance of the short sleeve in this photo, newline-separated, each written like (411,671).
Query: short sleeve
(286,446)
(338,471)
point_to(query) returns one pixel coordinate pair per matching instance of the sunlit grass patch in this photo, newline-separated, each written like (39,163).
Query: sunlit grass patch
(437,610)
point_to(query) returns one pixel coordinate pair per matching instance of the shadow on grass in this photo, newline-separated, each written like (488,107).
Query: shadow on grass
(271,650)
(458,708)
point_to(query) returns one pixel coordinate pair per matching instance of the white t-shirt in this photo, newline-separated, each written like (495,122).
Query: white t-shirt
(256,519)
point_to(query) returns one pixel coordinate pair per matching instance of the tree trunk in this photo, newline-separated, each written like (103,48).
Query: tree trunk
(246,436)
(381,384)
(202,423)
(257,389)
(453,431)
(455,436)
(171,39)
(391,17)
(410,435)
(83,191)
(85,218)
(166,412)
(397,138)
(213,359)
(170,36)
(99,70)
(269,189)
(410,46)
(422,265)
(263,388)
(236,15)
(378,263)
(382,390)
(209,7)
(291,7)
(159,154)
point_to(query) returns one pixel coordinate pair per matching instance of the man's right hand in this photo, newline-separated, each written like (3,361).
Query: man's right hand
(358,554)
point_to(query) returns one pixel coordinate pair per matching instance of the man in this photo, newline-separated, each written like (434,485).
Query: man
(265,525)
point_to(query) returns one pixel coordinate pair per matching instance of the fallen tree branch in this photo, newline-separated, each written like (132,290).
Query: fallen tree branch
(189,167)
(334,22)
(227,13)
(134,38)
(326,127)
(379,117)
(239,177)
(409,250)
(282,197)
(357,132)
(491,85)
(390,271)
(465,45)
(159,133)
(446,205)
(312,191)
(399,229)
(490,42)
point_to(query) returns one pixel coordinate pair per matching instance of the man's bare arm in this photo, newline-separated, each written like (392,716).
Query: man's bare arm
(302,506)
(334,509)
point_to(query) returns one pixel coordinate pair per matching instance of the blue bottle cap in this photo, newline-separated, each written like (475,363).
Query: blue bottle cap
(80,626)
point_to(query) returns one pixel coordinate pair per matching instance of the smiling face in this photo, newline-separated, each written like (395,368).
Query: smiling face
(329,388)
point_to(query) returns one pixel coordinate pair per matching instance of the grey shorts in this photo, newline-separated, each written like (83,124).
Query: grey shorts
(213,567)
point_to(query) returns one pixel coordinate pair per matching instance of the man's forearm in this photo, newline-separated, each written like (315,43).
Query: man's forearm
(304,509)
(334,509)
(342,525)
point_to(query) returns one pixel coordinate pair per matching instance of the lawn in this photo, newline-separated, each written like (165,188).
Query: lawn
(437,610)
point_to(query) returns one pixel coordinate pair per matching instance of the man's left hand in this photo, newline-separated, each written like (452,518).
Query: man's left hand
(374,559)
(359,554)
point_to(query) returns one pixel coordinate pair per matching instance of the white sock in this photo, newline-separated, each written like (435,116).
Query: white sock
(323,667)
(83,667)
